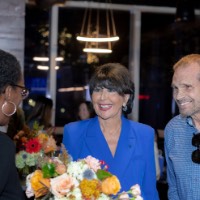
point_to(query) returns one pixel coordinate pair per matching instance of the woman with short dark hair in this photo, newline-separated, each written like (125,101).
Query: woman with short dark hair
(127,147)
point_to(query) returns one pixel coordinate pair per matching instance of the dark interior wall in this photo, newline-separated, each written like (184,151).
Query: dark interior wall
(12,23)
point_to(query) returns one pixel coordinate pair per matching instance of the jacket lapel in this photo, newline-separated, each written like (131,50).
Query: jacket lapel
(125,149)
(96,142)
(97,146)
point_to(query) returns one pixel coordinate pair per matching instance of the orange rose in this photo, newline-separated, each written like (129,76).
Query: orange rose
(111,185)
(39,184)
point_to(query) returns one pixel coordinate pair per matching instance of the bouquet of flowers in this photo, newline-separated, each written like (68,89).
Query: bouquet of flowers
(60,178)
(32,145)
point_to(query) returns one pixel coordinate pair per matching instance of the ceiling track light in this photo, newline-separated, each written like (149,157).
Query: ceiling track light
(45,67)
(46,59)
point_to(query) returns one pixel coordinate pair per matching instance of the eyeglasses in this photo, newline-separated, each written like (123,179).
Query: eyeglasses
(196,153)
(24,92)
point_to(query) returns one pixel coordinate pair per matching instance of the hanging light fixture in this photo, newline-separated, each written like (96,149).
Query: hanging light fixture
(99,35)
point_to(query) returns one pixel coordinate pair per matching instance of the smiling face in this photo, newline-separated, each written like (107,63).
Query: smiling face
(186,89)
(108,103)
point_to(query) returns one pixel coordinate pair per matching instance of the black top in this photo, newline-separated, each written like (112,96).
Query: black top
(10,188)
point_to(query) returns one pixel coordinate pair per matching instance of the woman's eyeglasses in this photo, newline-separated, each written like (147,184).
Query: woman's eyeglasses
(24,92)
(196,153)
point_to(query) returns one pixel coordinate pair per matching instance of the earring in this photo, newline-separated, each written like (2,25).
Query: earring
(3,108)
(124,108)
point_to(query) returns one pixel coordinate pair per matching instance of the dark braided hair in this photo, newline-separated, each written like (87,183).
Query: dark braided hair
(10,70)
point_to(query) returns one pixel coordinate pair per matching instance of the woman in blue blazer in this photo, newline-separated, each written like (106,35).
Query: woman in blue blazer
(127,147)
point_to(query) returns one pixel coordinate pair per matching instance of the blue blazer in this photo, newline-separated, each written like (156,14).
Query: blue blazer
(133,162)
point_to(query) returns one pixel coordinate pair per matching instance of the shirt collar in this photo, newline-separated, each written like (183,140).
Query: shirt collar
(190,121)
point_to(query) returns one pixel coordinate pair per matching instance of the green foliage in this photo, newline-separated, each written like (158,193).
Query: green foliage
(102,174)
(48,170)
(37,127)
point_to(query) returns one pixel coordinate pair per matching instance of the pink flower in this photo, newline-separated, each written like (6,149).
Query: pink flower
(93,163)
(49,145)
(123,196)
(135,190)
(61,185)
(138,198)
(61,168)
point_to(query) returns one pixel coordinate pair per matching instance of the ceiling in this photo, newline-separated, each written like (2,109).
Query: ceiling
(167,3)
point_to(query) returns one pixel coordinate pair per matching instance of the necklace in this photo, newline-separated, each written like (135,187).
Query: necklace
(116,132)
(112,139)
(112,133)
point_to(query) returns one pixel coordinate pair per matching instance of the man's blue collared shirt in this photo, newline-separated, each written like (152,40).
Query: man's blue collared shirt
(183,175)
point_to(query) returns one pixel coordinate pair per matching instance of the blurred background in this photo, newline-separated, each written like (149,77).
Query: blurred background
(153,35)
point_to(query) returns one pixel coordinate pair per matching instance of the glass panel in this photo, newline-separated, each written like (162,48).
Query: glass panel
(75,71)
(163,42)
(36,45)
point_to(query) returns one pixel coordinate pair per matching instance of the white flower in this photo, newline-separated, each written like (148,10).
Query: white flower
(138,198)
(20,159)
(135,190)
(103,197)
(76,169)
(23,158)
(76,192)
(124,195)
(29,189)
(62,198)
(32,159)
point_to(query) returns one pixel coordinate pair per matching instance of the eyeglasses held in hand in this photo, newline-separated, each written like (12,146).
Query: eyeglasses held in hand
(196,153)
(24,92)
